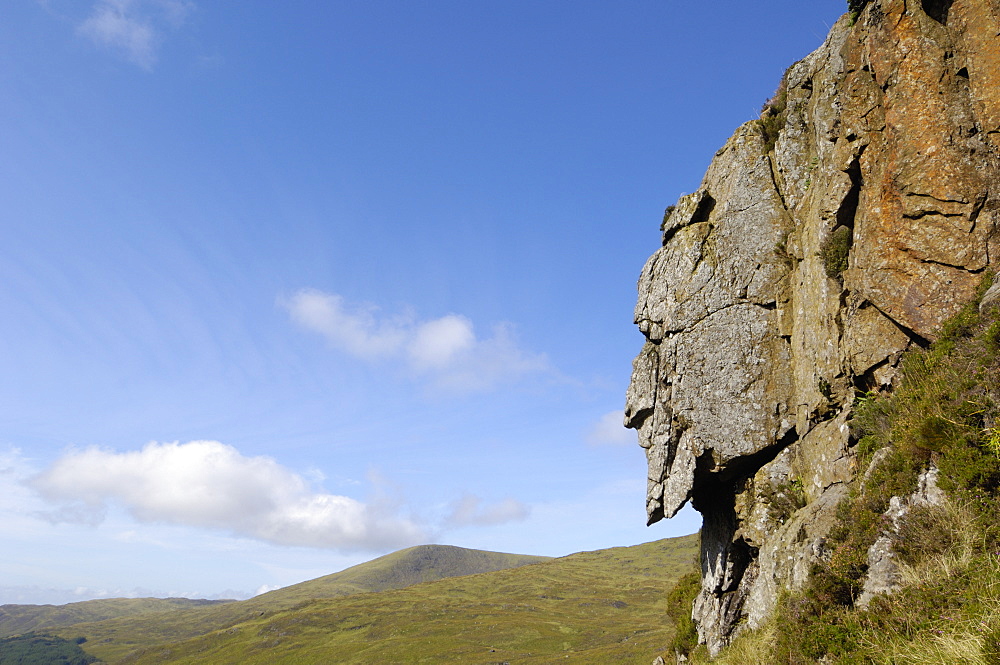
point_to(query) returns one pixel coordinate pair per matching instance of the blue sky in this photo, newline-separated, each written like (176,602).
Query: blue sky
(287,286)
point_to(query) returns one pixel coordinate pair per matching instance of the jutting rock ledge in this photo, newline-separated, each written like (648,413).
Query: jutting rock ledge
(826,238)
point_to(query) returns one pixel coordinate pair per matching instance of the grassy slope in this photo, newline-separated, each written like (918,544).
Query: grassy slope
(404,568)
(593,607)
(17,619)
(117,636)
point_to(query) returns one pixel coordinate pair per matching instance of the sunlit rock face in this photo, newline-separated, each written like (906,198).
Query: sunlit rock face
(799,272)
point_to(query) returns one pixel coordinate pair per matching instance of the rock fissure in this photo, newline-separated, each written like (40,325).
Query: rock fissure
(911,334)
(920,214)
(944,264)
(774,182)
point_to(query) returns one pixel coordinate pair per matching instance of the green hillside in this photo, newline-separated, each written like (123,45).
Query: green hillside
(594,607)
(404,568)
(31,649)
(19,619)
(392,571)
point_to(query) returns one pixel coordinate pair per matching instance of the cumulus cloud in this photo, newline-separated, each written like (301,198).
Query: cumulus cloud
(609,431)
(211,485)
(446,351)
(471,511)
(134,28)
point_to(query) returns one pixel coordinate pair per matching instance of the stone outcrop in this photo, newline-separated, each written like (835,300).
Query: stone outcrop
(883,567)
(826,238)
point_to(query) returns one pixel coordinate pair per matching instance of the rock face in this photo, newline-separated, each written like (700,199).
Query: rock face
(826,238)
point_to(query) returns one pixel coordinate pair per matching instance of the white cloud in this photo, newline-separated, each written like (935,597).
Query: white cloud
(444,351)
(17,502)
(438,344)
(470,511)
(211,485)
(609,431)
(134,28)
(355,331)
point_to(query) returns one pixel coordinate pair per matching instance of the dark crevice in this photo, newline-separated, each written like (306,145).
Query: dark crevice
(937,9)
(704,209)
(774,181)
(914,337)
(963,72)
(701,214)
(848,209)
(867,381)
(971,271)
(721,557)
(703,465)
(748,465)
(934,198)
(835,249)
(668,234)
(924,213)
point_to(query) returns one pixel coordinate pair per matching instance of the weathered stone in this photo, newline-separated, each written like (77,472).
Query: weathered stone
(991,299)
(883,569)
(796,276)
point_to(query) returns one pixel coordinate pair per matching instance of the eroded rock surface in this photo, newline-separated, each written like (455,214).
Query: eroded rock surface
(799,272)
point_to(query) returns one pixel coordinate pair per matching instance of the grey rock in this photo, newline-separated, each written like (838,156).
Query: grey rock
(756,343)
(991,299)
(883,567)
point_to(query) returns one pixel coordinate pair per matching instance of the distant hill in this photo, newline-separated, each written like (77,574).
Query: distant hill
(124,631)
(592,607)
(19,619)
(424,563)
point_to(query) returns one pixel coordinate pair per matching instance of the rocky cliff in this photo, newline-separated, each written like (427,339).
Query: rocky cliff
(827,237)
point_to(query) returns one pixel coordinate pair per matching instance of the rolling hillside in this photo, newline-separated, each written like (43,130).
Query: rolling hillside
(600,607)
(124,630)
(404,568)
(19,619)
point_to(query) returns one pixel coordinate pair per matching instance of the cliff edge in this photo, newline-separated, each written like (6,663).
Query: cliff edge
(827,237)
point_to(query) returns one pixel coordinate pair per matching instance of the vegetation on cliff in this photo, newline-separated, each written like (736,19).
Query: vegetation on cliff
(945,608)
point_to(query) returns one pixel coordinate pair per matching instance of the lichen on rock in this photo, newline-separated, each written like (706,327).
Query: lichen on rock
(797,275)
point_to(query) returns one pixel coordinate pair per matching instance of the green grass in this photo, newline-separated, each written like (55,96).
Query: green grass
(425,563)
(111,639)
(607,606)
